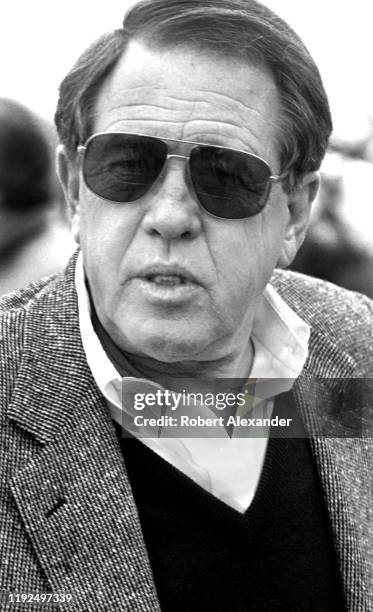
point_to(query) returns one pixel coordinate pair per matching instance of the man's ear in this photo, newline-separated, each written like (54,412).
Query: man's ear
(68,175)
(299,206)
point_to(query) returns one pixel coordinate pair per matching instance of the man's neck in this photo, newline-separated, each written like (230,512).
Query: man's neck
(128,364)
(231,366)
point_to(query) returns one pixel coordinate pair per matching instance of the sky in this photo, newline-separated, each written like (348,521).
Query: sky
(40,40)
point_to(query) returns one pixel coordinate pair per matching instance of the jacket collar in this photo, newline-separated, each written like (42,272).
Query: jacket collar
(53,359)
(345,466)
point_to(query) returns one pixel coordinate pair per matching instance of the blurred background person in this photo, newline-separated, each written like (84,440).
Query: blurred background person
(35,237)
(339,244)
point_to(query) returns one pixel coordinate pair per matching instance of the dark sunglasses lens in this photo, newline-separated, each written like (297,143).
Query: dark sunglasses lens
(229,184)
(122,167)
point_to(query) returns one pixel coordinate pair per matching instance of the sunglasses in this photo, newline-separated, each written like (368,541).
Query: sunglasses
(228,183)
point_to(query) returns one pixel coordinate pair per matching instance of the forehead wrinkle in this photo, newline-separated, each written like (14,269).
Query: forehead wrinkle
(202,135)
(186,95)
(225,102)
(219,121)
(143,110)
(201,96)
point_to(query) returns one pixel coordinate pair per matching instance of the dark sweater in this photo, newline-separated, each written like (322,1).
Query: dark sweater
(278,556)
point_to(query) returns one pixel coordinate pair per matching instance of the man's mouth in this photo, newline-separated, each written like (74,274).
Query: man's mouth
(167,275)
(169,280)
(167,284)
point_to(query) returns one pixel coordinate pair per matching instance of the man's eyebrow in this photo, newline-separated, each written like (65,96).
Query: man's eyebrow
(219,142)
(209,140)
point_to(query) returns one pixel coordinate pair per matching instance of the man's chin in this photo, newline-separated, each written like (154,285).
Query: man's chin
(167,347)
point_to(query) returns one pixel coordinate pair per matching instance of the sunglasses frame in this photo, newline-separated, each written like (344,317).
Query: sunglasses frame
(189,146)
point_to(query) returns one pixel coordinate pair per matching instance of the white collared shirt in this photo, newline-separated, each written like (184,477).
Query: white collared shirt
(220,465)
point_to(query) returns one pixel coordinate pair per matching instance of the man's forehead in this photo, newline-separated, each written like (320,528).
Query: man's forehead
(189,93)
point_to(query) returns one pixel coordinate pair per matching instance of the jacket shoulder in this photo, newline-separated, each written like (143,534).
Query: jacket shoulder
(342,318)
(19,300)
(13,310)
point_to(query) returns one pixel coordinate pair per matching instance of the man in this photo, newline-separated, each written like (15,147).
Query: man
(190,145)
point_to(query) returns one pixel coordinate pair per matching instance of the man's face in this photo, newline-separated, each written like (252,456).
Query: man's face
(196,97)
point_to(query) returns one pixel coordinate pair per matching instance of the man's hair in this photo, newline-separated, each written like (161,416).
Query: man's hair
(242,29)
(25,159)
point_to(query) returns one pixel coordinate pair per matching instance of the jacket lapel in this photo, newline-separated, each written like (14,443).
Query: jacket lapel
(346,473)
(74,496)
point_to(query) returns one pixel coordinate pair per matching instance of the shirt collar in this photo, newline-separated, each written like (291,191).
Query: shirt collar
(279,335)
(280,339)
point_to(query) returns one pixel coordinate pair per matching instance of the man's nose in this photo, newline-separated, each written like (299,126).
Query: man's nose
(173,212)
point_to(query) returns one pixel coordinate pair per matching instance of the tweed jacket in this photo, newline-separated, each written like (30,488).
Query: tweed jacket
(68,520)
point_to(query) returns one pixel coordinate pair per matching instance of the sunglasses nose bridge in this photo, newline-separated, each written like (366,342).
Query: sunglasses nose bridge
(176,156)
(169,155)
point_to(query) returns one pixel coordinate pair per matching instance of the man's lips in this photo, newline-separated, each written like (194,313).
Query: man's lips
(167,275)
(170,280)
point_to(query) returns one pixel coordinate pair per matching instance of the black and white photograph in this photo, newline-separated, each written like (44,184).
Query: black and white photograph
(186,306)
